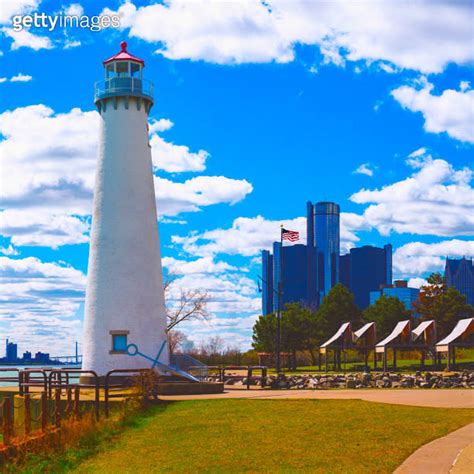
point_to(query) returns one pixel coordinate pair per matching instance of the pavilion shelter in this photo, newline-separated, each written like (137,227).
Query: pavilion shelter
(424,338)
(399,338)
(364,340)
(461,336)
(340,341)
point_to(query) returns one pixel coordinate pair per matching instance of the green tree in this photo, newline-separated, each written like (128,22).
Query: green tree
(299,331)
(386,312)
(450,307)
(429,294)
(336,308)
(264,333)
(445,305)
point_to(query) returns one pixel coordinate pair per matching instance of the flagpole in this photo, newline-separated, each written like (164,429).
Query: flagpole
(280,287)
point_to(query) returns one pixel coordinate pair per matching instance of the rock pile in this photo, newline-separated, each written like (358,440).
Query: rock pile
(363,380)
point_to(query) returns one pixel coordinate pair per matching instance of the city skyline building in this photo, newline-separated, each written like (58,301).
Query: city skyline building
(293,274)
(267,282)
(11,351)
(367,269)
(323,227)
(459,274)
(400,290)
(310,271)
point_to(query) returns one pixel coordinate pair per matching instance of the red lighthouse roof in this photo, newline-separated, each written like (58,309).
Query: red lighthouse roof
(124,56)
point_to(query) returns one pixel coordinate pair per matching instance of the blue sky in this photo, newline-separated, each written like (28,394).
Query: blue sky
(259,107)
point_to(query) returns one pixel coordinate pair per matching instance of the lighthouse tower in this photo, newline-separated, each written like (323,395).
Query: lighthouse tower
(124,297)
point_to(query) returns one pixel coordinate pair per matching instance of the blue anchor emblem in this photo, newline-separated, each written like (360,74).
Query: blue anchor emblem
(132,350)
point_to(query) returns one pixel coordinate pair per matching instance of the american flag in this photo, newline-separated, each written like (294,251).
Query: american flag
(290,235)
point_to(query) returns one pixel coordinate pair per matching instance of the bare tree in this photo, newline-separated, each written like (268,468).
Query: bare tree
(176,339)
(188,305)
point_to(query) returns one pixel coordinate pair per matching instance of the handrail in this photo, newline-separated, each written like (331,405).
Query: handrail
(25,381)
(108,386)
(95,385)
(123,86)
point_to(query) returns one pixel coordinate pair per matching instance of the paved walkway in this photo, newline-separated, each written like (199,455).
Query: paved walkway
(464,463)
(439,456)
(443,398)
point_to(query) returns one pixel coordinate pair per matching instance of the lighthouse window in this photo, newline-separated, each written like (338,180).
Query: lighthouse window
(110,71)
(135,70)
(119,341)
(122,69)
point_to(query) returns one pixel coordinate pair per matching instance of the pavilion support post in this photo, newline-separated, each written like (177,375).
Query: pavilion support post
(448,366)
(375,359)
(319,360)
(454,357)
(385,359)
(366,359)
(394,358)
(334,359)
(326,360)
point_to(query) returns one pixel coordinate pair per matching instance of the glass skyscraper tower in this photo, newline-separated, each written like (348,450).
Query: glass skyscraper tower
(323,231)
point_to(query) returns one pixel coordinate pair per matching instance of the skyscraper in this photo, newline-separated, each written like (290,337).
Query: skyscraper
(323,226)
(293,274)
(267,282)
(345,270)
(370,268)
(459,274)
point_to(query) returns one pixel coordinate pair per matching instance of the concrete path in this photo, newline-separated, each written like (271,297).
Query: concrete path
(439,456)
(464,463)
(442,398)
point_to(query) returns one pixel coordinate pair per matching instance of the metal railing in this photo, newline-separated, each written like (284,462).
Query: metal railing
(123,86)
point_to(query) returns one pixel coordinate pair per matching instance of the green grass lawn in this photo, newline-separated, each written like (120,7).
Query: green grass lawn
(260,436)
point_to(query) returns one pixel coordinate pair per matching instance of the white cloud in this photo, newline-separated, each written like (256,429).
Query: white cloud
(9,251)
(364,168)
(69,44)
(18,78)
(9,8)
(416,282)
(25,39)
(451,112)
(21,78)
(195,193)
(436,199)
(40,228)
(424,36)
(38,303)
(418,258)
(160,125)
(50,162)
(175,158)
(203,265)
(75,9)
(249,235)
(417,153)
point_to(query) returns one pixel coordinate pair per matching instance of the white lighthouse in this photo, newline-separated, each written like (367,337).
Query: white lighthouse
(124,297)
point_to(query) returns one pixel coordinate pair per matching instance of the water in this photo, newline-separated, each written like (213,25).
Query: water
(11,372)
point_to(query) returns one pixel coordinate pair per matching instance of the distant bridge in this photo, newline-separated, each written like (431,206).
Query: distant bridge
(68,359)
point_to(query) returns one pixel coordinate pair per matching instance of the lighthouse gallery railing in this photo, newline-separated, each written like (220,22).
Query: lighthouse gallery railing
(123,86)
